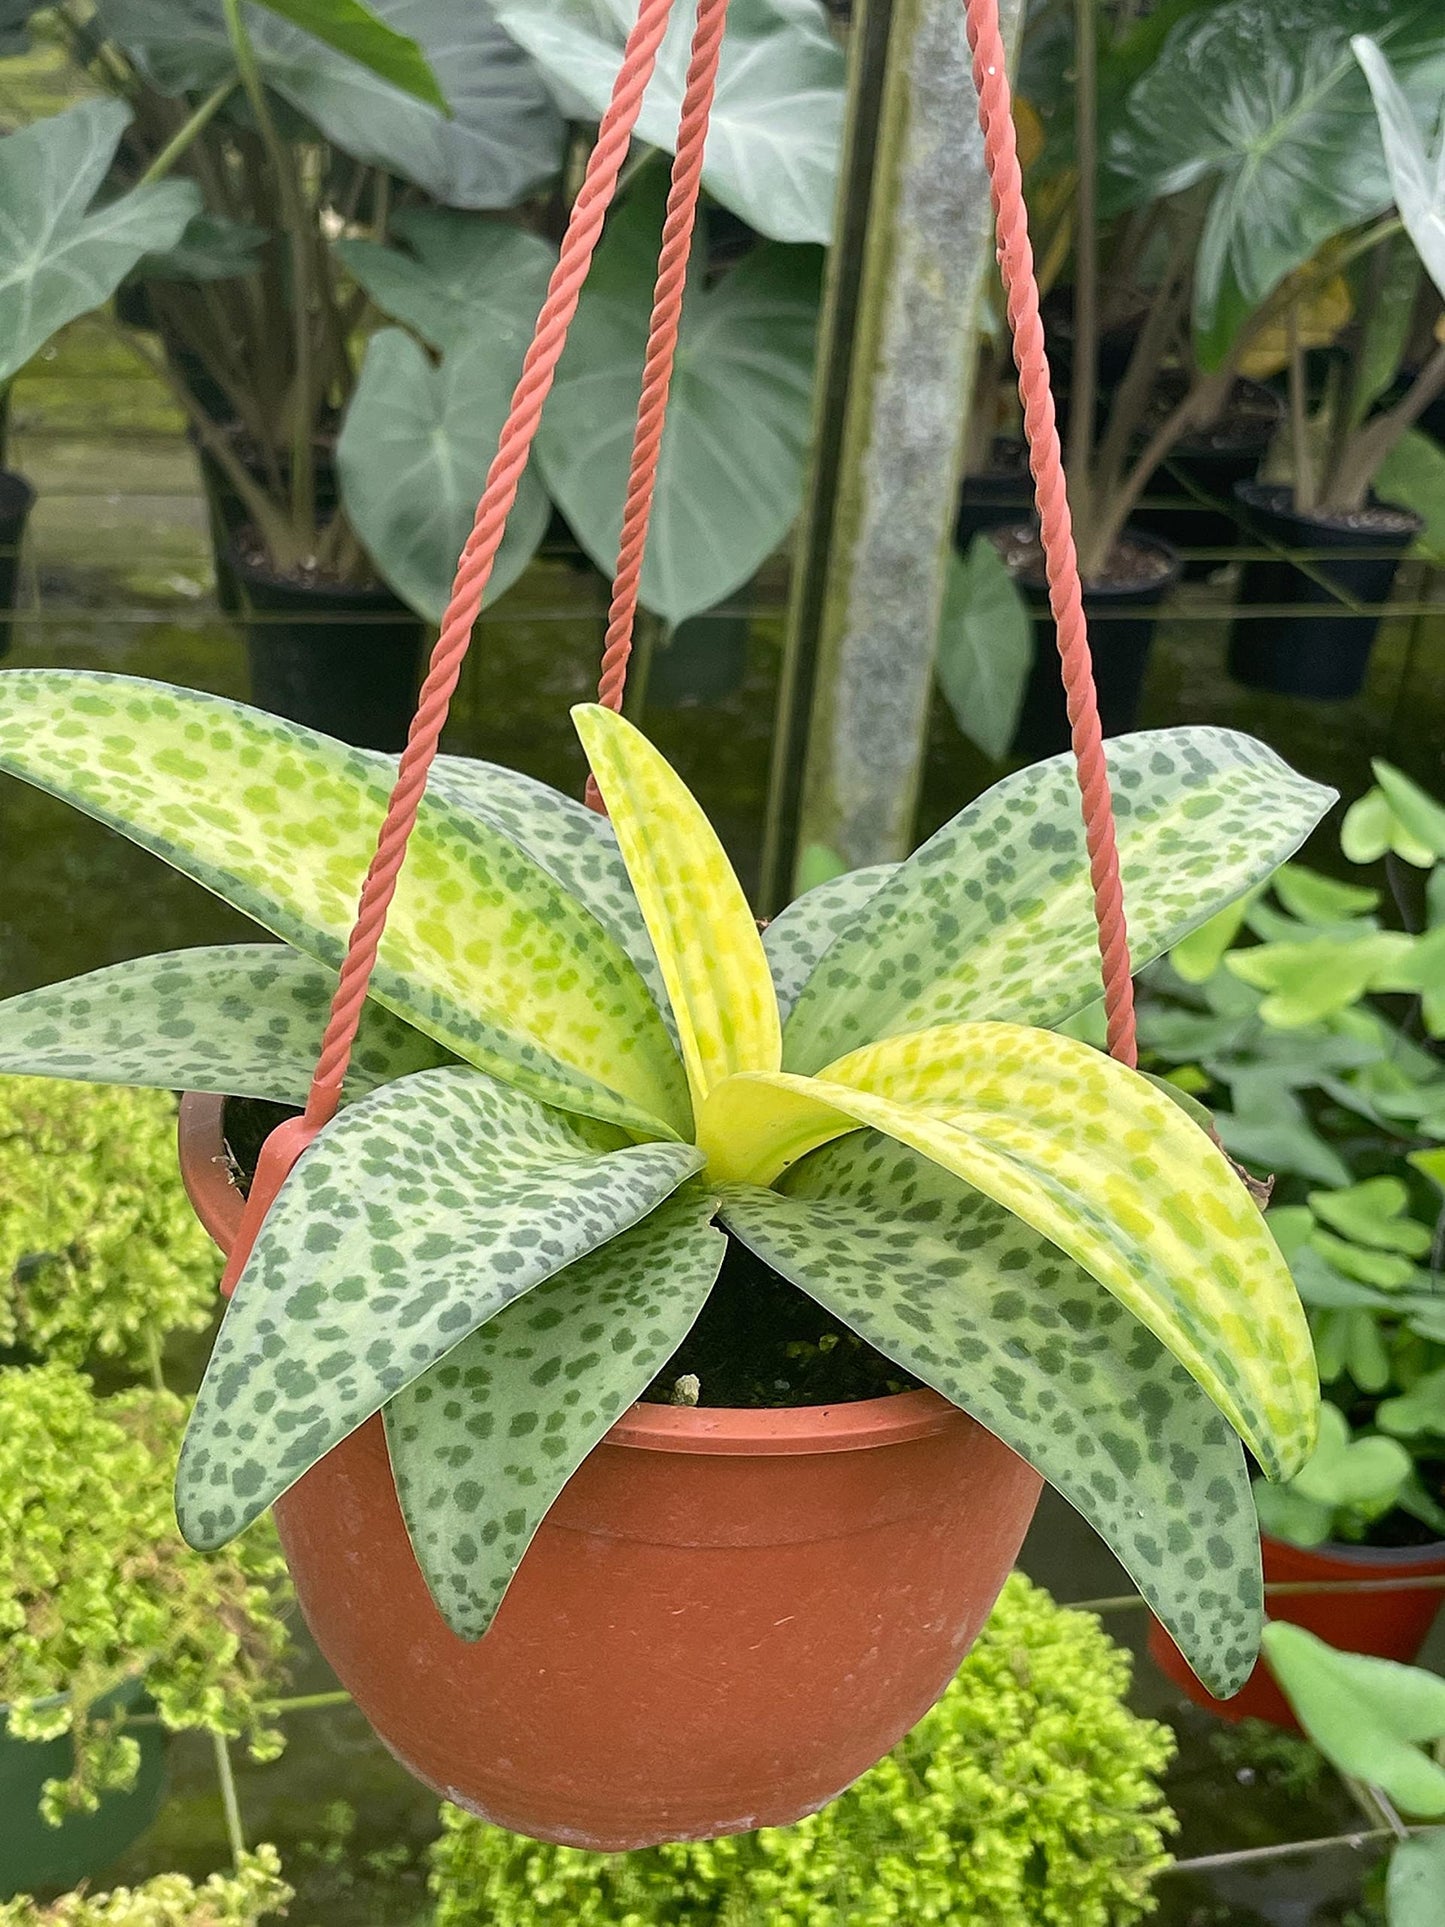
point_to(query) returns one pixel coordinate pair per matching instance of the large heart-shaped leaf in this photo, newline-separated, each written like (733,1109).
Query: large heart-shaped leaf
(1094,1158)
(482,1443)
(1417,177)
(707,943)
(985,647)
(245,1020)
(502,139)
(459,277)
(415,1216)
(994,917)
(957,1291)
(776,127)
(413,457)
(1265,98)
(730,476)
(1415,1883)
(483,950)
(1369,1717)
(797,937)
(61,259)
(361,35)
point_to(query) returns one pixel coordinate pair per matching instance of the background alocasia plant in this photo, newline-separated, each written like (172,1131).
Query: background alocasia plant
(579,1061)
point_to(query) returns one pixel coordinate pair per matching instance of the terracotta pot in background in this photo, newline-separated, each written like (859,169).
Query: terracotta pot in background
(725,1618)
(1391,1625)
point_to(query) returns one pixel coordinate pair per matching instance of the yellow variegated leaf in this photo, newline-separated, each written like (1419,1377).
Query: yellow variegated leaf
(707,941)
(1095,1159)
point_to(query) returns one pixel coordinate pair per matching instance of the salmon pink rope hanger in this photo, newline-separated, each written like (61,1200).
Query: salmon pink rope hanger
(286,1143)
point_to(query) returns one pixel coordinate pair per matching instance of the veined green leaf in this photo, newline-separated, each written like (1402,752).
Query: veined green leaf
(354,30)
(797,937)
(1093,1158)
(1321,976)
(1416,174)
(705,936)
(417,1215)
(482,1443)
(245,1020)
(993,917)
(482,950)
(957,1291)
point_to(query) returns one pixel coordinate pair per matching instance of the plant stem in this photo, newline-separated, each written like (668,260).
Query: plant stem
(1247,1856)
(303,474)
(1085,383)
(153,1347)
(1304,479)
(1368,450)
(235,1833)
(1122,1602)
(176,146)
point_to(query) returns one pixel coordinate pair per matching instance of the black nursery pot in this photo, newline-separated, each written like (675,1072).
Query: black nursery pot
(344,660)
(1213,462)
(993,497)
(1122,617)
(229,515)
(17,498)
(1322,652)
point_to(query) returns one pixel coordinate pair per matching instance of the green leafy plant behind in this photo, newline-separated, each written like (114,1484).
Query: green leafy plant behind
(1030,1792)
(97,1587)
(255,1892)
(100,1253)
(776,124)
(1001,1211)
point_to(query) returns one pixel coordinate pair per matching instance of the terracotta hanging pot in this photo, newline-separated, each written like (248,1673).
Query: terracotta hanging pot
(725,1618)
(1389,1624)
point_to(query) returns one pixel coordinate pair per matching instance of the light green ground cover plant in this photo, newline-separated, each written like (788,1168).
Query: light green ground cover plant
(100,1253)
(97,1588)
(582,1059)
(1029,1793)
(253,1893)
(1318,1016)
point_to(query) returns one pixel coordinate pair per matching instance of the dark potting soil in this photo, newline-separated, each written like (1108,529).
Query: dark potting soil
(253,553)
(759,1341)
(1132,564)
(1375,518)
(1247,419)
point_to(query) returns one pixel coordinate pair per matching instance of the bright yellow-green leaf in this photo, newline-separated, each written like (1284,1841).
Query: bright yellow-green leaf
(706,938)
(1095,1159)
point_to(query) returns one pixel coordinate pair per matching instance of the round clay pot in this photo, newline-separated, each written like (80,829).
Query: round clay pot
(725,1618)
(1391,1625)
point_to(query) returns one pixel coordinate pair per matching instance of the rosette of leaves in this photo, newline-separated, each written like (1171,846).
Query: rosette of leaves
(254,1892)
(1029,1793)
(97,1587)
(581,1058)
(100,1253)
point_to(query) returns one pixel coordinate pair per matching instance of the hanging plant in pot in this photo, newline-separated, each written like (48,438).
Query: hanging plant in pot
(502,1253)
(577,1071)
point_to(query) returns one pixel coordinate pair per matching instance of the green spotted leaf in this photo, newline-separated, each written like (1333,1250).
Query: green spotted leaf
(483,951)
(993,917)
(576,845)
(418,1214)
(245,1020)
(1095,1159)
(482,1443)
(797,937)
(957,1291)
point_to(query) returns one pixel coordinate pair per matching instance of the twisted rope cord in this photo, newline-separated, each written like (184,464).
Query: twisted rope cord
(584,225)
(1061,562)
(662,333)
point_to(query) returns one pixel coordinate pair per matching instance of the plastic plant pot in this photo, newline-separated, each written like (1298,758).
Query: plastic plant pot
(33,1854)
(1322,651)
(17,498)
(344,660)
(725,1618)
(1212,463)
(1389,1624)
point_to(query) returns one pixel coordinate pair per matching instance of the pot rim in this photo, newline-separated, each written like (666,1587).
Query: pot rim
(708,1429)
(1400,1560)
